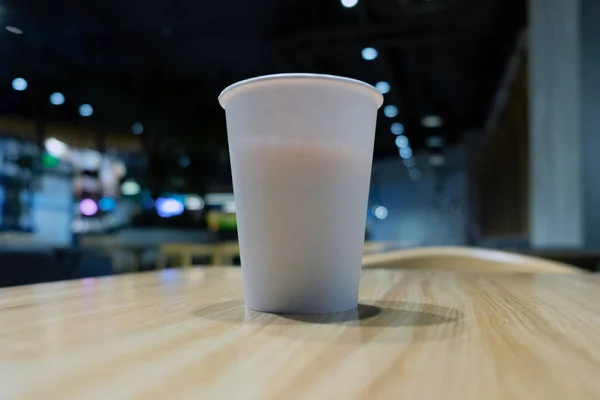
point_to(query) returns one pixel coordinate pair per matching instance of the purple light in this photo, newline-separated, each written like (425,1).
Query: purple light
(88,207)
(168,207)
(87,281)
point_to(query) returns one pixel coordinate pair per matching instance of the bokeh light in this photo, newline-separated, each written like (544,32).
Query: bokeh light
(437,160)
(432,121)
(85,110)
(415,174)
(383,87)
(166,207)
(107,204)
(390,111)
(406,152)
(401,141)
(19,84)
(435,142)
(137,128)
(88,207)
(130,188)
(57,98)
(184,161)
(14,30)
(56,148)
(369,53)
(397,128)
(380,212)
(194,202)
(410,162)
(349,3)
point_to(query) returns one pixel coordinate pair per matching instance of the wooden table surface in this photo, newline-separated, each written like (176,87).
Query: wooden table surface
(417,335)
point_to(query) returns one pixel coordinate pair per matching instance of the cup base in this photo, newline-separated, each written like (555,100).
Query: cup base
(303,310)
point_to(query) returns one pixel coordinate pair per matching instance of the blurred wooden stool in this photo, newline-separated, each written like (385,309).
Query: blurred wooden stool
(184,253)
(380,247)
(465,259)
(226,253)
(16,239)
(375,247)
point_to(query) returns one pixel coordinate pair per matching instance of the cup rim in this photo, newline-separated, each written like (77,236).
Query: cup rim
(334,79)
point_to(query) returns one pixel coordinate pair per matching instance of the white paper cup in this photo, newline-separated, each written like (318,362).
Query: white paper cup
(301,149)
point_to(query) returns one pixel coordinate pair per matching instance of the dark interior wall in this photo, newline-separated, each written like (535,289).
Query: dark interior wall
(590,85)
(501,176)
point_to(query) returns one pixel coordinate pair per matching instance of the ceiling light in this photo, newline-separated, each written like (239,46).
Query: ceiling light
(409,162)
(19,84)
(432,121)
(349,3)
(435,142)
(383,87)
(401,141)
(57,98)
(397,128)
(415,174)
(369,53)
(85,110)
(137,128)
(14,30)
(380,212)
(390,111)
(406,152)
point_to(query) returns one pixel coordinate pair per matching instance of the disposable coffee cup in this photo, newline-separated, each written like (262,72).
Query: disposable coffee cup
(301,148)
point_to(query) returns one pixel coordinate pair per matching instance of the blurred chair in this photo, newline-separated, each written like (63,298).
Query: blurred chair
(464,259)
(184,253)
(92,264)
(27,266)
(375,247)
(226,253)
(98,241)
(16,239)
(381,247)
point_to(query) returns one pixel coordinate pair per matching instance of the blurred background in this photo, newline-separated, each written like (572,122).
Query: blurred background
(113,147)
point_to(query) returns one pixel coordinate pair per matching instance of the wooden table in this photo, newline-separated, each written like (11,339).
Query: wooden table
(417,335)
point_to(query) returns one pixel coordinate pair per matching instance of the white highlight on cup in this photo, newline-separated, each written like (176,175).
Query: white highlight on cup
(301,148)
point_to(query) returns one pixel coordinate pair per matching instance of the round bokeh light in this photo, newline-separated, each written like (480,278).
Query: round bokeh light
(88,207)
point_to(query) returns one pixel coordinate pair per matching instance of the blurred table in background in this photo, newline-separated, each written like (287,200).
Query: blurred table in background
(465,259)
(184,253)
(376,247)
(15,239)
(184,333)
(227,253)
(585,259)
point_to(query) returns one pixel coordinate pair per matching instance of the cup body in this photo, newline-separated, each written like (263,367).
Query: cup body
(301,149)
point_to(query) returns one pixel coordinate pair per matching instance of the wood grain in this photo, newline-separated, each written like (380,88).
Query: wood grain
(417,335)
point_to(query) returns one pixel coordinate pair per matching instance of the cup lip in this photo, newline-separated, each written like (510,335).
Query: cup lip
(333,79)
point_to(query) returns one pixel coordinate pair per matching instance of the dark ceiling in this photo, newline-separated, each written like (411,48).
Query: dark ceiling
(164,62)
